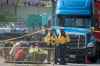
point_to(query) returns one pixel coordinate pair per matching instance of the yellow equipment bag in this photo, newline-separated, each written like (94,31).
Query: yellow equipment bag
(38,50)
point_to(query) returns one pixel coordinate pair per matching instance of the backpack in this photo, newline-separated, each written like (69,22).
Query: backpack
(20,54)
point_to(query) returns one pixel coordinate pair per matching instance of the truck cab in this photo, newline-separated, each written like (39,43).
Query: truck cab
(76,18)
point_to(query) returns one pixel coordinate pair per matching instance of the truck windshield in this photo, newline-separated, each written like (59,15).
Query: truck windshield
(77,22)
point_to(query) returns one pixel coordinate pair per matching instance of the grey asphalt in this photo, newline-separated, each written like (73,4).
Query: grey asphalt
(69,64)
(49,65)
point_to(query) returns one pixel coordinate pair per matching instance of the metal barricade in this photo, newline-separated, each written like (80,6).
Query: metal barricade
(29,55)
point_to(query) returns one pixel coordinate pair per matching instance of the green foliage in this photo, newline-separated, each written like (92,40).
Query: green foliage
(7,18)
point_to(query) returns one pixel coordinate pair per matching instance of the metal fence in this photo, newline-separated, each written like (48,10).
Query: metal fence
(26,55)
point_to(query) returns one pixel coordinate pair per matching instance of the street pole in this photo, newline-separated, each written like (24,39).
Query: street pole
(53,12)
(16,6)
(54,21)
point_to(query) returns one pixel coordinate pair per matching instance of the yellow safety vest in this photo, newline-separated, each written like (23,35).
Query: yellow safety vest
(49,39)
(63,40)
(56,40)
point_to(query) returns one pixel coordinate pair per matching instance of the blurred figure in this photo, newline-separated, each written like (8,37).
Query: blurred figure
(32,2)
(19,50)
(62,42)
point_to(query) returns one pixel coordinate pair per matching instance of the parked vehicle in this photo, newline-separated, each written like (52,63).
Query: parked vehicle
(97,28)
(76,18)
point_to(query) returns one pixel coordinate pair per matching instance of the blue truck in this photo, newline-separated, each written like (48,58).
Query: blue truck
(76,18)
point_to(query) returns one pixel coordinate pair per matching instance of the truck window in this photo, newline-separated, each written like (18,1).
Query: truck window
(77,22)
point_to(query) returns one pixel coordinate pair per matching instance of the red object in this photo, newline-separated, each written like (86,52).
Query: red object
(97,35)
(97,5)
(87,60)
(97,15)
(20,54)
